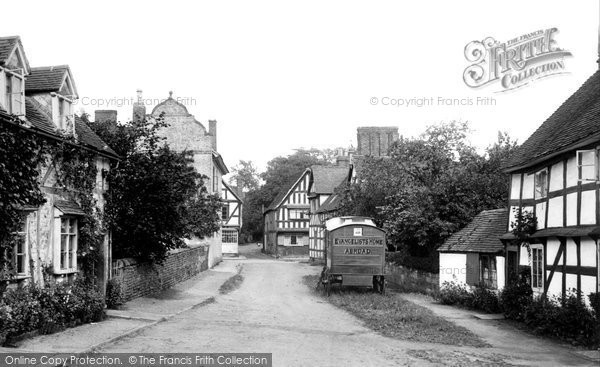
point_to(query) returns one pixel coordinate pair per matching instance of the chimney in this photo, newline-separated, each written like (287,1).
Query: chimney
(139,109)
(212,131)
(105,115)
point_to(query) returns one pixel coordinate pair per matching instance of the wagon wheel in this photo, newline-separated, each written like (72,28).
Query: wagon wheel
(382,285)
(376,284)
(321,280)
(328,286)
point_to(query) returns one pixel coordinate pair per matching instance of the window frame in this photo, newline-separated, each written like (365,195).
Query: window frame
(293,240)
(10,78)
(537,265)
(580,165)
(491,281)
(22,231)
(70,255)
(225,212)
(543,192)
(301,212)
(229,234)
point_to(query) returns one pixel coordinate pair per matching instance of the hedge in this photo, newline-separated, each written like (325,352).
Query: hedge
(429,264)
(49,309)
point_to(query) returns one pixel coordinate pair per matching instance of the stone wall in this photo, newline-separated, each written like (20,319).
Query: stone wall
(143,279)
(410,280)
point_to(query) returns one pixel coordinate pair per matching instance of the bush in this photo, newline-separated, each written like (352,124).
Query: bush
(48,309)
(429,264)
(485,300)
(452,293)
(515,298)
(114,293)
(595,303)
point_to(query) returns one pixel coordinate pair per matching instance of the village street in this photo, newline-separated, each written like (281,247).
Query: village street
(274,312)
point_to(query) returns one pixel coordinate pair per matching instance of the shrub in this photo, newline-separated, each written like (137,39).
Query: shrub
(48,309)
(452,293)
(485,300)
(429,264)
(595,304)
(515,298)
(114,293)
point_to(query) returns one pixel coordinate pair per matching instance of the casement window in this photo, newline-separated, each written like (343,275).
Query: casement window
(488,276)
(15,97)
(586,166)
(296,214)
(225,212)
(68,243)
(20,249)
(537,267)
(229,236)
(293,240)
(541,184)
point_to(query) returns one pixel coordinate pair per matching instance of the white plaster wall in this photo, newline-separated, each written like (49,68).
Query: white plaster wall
(555,212)
(571,252)
(588,252)
(556,176)
(588,207)
(552,247)
(572,209)
(528,186)
(515,186)
(588,285)
(572,171)
(453,268)
(500,272)
(540,212)
(555,286)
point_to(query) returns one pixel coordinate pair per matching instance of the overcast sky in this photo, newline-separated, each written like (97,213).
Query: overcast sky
(278,75)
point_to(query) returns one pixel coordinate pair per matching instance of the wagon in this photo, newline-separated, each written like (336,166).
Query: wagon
(354,254)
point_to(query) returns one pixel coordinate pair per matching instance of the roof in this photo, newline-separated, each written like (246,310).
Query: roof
(330,204)
(338,222)
(37,117)
(574,124)
(231,190)
(325,179)
(218,159)
(482,234)
(579,231)
(68,207)
(284,193)
(7,46)
(90,138)
(46,79)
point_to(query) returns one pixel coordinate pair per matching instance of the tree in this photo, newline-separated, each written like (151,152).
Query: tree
(245,176)
(156,198)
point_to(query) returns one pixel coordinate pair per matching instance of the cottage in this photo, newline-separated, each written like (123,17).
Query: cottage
(231,217)
(475,255)
(555,176)
(323,180)
(286,220)
(42,98)
(185,133)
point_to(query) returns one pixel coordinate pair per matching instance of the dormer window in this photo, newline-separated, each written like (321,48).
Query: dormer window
(63,117)
(14,93)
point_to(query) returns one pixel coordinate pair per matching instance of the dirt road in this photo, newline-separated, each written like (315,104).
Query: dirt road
(274,312)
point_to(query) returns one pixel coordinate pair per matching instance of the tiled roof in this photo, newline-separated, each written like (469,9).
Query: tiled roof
(326,178)
(6,46)
(330,204)
(46,79)
(37,117)
(482,234)
(68,207)
(88,137)
(573,123)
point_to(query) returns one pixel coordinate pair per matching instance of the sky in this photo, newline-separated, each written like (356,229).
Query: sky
(279,75)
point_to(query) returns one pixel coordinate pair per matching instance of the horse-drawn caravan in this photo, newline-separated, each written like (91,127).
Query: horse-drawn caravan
(355,254)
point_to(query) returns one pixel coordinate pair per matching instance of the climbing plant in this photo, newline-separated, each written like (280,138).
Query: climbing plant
(524,225)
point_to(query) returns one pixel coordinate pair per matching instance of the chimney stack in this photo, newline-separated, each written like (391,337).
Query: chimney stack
(105,115)
(139,109)
(212,130)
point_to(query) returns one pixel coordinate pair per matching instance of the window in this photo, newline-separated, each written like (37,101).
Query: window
(586,165)
(20,249)
(229,236)
(537,267)
(541,184)
(293,240)
(488,271)
(296,214)
(68,243)
(14,94)
(225,212)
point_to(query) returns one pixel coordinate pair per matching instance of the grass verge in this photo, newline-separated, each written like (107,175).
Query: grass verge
(395,317)
(231,284)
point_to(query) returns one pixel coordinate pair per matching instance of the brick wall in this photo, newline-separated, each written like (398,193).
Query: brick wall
(142,279)
(410,280)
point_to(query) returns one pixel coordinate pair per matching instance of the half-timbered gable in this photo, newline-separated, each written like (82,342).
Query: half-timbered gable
(231,217)
(287,220)
(555,176)
(323,181)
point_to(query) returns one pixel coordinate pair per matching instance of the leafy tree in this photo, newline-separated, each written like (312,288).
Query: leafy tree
(245,175)
(156,198)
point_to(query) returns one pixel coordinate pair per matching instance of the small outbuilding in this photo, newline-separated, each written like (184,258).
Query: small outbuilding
(475,255)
